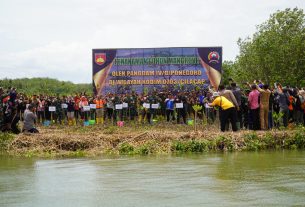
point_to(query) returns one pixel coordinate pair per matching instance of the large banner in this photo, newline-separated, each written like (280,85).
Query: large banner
(126,70)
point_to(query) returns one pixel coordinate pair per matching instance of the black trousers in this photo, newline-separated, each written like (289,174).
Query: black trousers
(239,117)
(181,113)
(109,113)
(225,115)
(169,114)
(254,113)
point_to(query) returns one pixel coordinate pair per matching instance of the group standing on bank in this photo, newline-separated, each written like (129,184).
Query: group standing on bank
(256,107)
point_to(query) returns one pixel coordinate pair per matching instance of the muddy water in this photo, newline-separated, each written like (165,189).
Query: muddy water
(230,179)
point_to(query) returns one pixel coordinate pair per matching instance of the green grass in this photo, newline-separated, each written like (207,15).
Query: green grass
(5,140)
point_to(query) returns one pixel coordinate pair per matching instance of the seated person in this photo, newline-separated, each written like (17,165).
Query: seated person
(29,120)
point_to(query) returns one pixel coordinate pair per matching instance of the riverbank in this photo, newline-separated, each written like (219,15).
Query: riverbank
(62,141)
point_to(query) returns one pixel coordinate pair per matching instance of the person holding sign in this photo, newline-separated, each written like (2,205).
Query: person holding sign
(181,106)
(118,108)
(153,100)
(84,113)
(143,107)
(150,111)
(64,107)
(92,109)
(125,101)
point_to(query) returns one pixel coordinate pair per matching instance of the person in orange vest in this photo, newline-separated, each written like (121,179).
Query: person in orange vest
(99,109)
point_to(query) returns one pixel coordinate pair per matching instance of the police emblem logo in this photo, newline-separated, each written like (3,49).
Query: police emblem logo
(100,58)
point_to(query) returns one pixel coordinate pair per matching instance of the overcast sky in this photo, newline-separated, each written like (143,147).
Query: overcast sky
(54,38)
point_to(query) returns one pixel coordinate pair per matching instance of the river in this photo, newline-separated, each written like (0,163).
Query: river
(273,178)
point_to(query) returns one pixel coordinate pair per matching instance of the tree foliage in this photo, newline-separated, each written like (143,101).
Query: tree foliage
(276,52)
(46,86)
(228,71)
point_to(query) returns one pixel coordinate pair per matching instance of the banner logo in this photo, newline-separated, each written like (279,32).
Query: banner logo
(100,58)
(213,57)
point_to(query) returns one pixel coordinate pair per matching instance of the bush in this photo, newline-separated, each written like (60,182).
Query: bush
(269,141)
(189,146)
(252,142)
(224,143)
(147,148)
(126,148)
(299,138)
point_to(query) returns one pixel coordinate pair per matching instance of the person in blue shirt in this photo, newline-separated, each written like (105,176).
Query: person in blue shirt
(169,102)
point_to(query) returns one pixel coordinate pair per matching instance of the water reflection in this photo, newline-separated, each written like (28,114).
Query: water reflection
(230,179)
(16,179)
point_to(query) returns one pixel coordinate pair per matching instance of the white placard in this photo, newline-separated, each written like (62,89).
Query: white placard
(125,105)
(146,105)
(93,106)
(155,106)
(179,105)
(118,106)
(86,108)
(64,106)
(52,108)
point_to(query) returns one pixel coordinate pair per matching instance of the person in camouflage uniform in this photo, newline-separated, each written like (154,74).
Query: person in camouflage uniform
(117,112)
(131,100)
(183,111)
(59,110)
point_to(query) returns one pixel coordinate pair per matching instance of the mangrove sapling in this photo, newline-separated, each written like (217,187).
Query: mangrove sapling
(189,146)
(277,117)
(126,148)
(299,138)
(197,109)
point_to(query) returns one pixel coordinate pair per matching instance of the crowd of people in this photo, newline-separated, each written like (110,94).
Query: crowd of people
(254,106)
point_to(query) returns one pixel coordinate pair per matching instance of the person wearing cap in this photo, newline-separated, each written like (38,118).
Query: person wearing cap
(227,111)
(29,120)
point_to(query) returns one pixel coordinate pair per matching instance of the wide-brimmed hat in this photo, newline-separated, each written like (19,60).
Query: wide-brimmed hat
(215,94)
